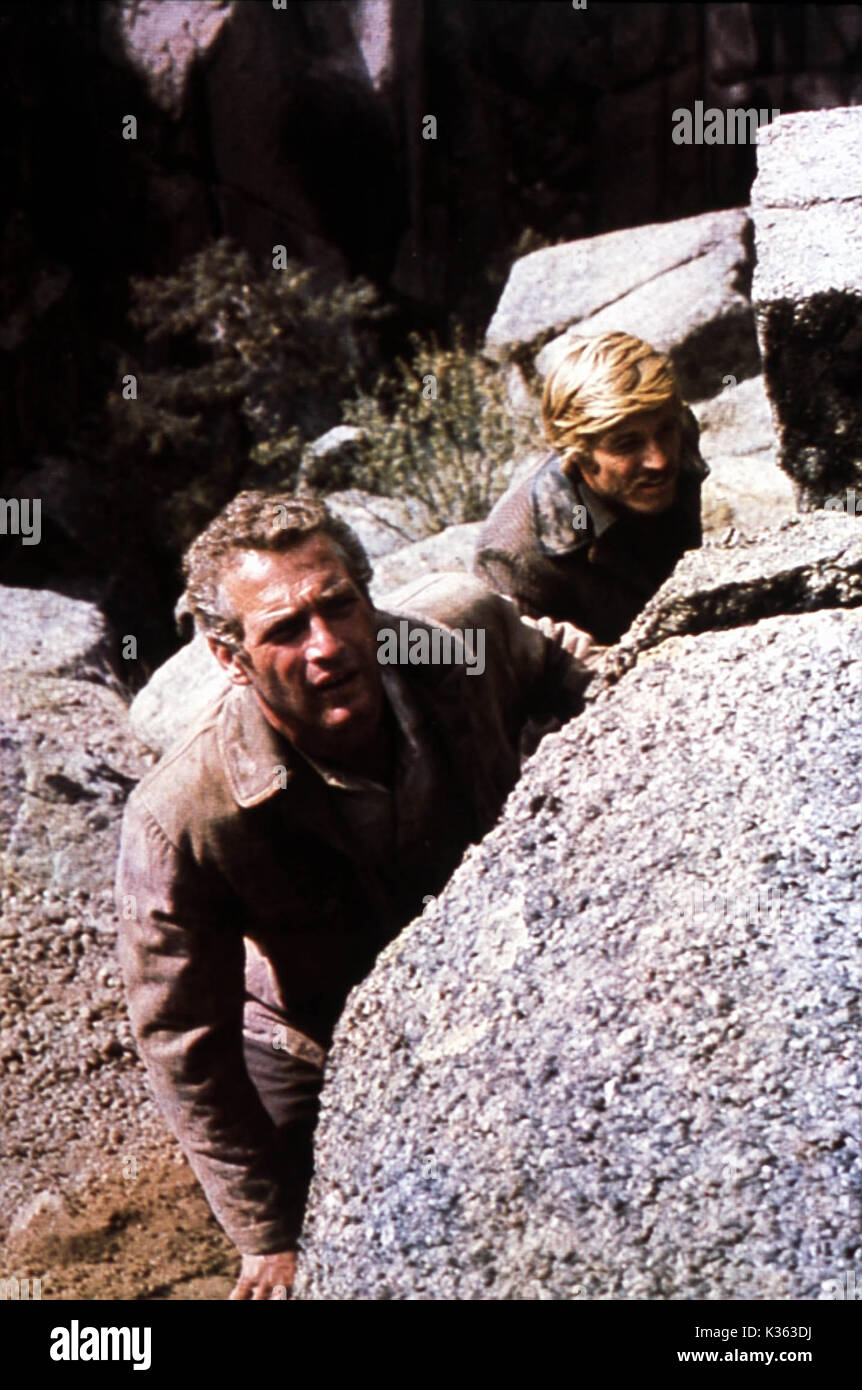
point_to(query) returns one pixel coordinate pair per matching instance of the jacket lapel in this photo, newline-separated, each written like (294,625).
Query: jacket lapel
(262,766)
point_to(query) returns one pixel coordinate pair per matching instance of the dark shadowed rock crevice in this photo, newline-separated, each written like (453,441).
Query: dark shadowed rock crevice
(805,564)
(807,207)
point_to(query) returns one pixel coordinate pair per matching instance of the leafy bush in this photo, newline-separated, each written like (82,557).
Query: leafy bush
(440,429)
(243,366)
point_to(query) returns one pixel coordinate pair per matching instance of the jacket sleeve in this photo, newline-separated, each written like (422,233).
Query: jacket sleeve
(543,666)
(504,533)
(183,963)
(496,569)
(540,660)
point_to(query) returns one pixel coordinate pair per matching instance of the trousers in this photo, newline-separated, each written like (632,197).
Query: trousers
(289,1089)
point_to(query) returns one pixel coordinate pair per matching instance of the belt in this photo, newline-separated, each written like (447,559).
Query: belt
(287,1039)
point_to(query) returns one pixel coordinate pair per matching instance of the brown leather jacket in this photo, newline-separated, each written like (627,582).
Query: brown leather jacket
(218,846)
(599,576)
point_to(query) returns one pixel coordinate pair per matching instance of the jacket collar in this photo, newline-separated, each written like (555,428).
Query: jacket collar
(258,761)
(554,498)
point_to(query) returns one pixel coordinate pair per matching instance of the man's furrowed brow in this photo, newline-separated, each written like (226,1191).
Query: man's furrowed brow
(294,612)
(338,589)
(279,619)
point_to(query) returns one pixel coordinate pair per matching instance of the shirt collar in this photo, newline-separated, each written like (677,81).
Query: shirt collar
(408,721)
(601,516)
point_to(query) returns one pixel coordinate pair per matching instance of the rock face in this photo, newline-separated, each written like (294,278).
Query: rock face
(73,1092)
(745,488)
(51,635)
(682,286)
(807,207)
(617,1057)
(163,44)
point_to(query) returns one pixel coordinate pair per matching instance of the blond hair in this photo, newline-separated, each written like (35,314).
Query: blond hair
(596,384)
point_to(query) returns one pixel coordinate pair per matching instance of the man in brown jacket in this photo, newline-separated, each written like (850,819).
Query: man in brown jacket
(268,858)
(597,527)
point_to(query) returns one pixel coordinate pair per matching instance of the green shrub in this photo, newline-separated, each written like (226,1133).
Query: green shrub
(440,429)
(243,366)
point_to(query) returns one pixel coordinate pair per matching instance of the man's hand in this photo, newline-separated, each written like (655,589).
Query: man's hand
(573,640)
(263,1277)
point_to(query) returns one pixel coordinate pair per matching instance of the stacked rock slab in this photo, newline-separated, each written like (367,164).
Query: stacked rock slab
(805,563)
(807,207)
(683,286)
(618,1057)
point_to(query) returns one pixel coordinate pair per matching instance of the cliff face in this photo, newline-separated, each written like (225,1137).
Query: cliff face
(617,1057)
(304,126)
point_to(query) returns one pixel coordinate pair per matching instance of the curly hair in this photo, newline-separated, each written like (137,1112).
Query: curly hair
(259,521)
(599,382)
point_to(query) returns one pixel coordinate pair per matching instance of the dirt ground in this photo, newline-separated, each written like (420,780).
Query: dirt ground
(144,1237)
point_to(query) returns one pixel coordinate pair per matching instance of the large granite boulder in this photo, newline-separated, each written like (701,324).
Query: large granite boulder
(682,286)
(176,695)
(807,207)
(51,635)
(616,1058)
(447,551)
(67,765)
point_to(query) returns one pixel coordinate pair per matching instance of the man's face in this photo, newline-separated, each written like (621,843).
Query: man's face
(310,646)
(636,464)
